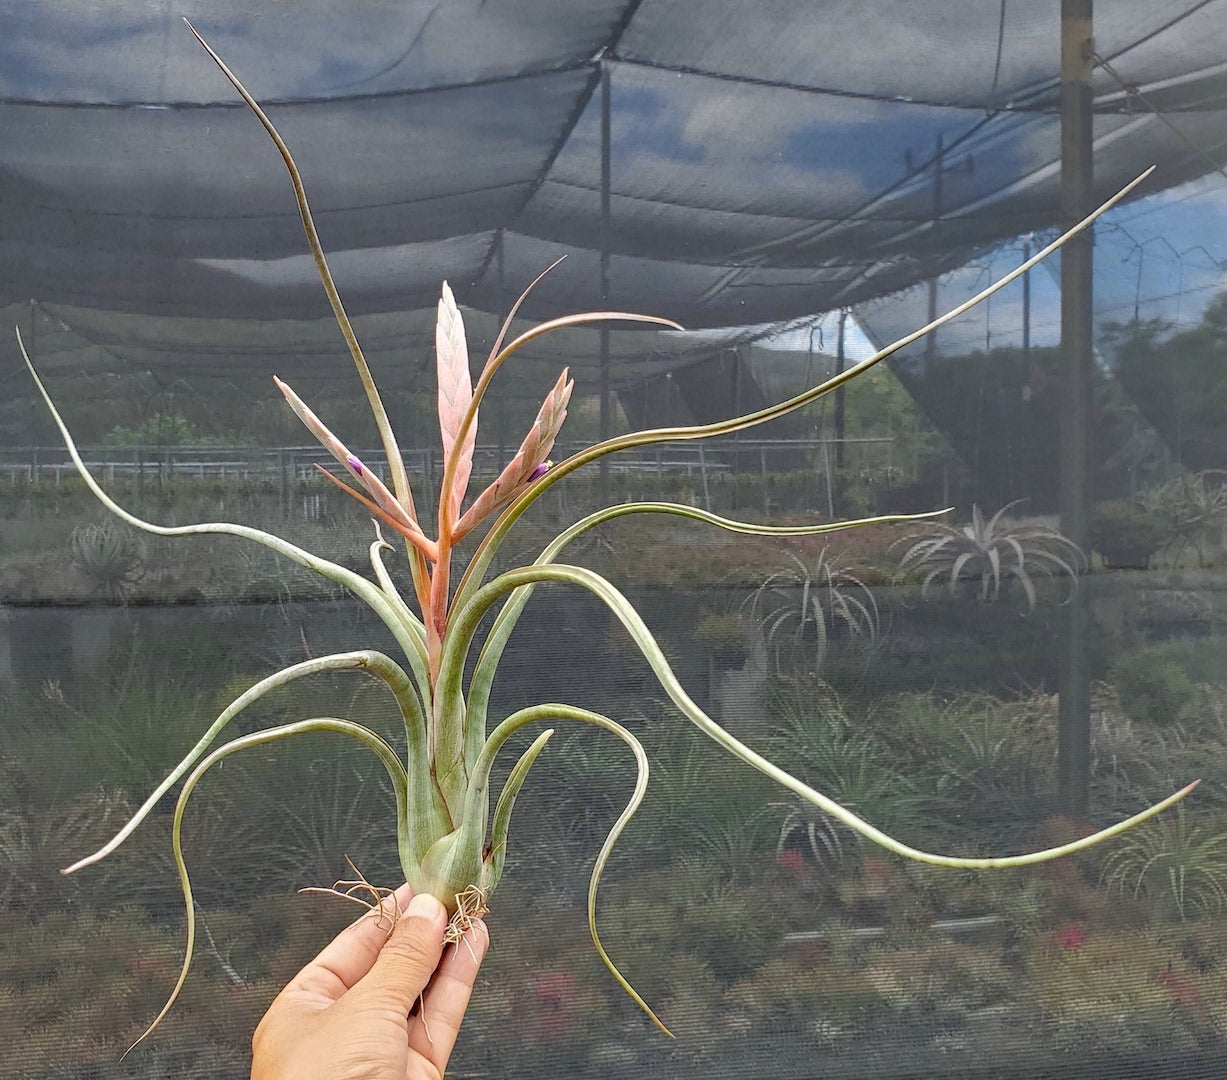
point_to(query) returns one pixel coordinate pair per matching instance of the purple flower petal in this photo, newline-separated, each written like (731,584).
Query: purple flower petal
(355,464)
(539,471)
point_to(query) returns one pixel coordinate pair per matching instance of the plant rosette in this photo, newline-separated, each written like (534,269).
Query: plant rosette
(988,554)
(451,841)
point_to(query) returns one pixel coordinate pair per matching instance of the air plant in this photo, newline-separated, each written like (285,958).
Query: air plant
(1179,862)
(449,841)
(990,553)
(109,556)
(1189,505)
(799,609)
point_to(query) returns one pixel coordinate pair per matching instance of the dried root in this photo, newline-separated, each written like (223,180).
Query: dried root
(470,905)
(351,889)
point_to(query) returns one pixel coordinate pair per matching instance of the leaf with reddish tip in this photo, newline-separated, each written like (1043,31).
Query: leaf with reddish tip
(509,481)
(394,512)
(554,412)
(455,393)
(384,498)
(408,529)
(317,427)
(523,468)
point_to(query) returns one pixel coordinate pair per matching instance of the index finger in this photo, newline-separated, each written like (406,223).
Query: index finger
(351,954)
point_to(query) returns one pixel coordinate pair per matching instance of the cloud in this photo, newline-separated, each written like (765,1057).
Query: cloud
(129,51)
(703,143)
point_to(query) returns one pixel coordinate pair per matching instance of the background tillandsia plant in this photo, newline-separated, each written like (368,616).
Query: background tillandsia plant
(988,554)
(451,841)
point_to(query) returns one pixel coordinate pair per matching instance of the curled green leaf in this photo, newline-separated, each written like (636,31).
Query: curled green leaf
(383,751)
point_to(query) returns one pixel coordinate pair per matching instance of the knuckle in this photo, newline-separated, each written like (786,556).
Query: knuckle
(413,944)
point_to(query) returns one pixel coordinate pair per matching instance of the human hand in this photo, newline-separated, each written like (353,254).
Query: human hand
(346,1015)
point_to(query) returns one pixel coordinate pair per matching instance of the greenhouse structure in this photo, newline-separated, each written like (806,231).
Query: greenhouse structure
(616,306)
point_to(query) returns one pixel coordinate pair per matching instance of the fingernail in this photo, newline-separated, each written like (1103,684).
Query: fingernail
(480,940)
(426,906)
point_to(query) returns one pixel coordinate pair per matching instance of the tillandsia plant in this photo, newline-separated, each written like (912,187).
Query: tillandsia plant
(989,553)
(451,843)
(800,609)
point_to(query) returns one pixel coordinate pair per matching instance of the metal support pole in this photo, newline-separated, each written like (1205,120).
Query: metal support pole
(839,391)
(762,475)
(938,168)
(703,474)
(826,463)
(1077,137)
(34,414)
(1026,321)
(605,182)
(737,410)
(283,469)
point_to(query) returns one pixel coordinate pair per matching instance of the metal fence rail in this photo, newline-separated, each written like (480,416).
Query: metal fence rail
(286,467)
(33,463)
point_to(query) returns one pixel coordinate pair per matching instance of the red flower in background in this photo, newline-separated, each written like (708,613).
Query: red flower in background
(555,1013)
(796,865)
(1183,990)
(1072,936)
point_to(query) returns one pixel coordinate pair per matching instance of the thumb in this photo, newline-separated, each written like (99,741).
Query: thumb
(409,957)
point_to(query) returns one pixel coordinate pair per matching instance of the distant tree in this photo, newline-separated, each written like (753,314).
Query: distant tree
(1178,381)
(1000,411)
(159,429)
